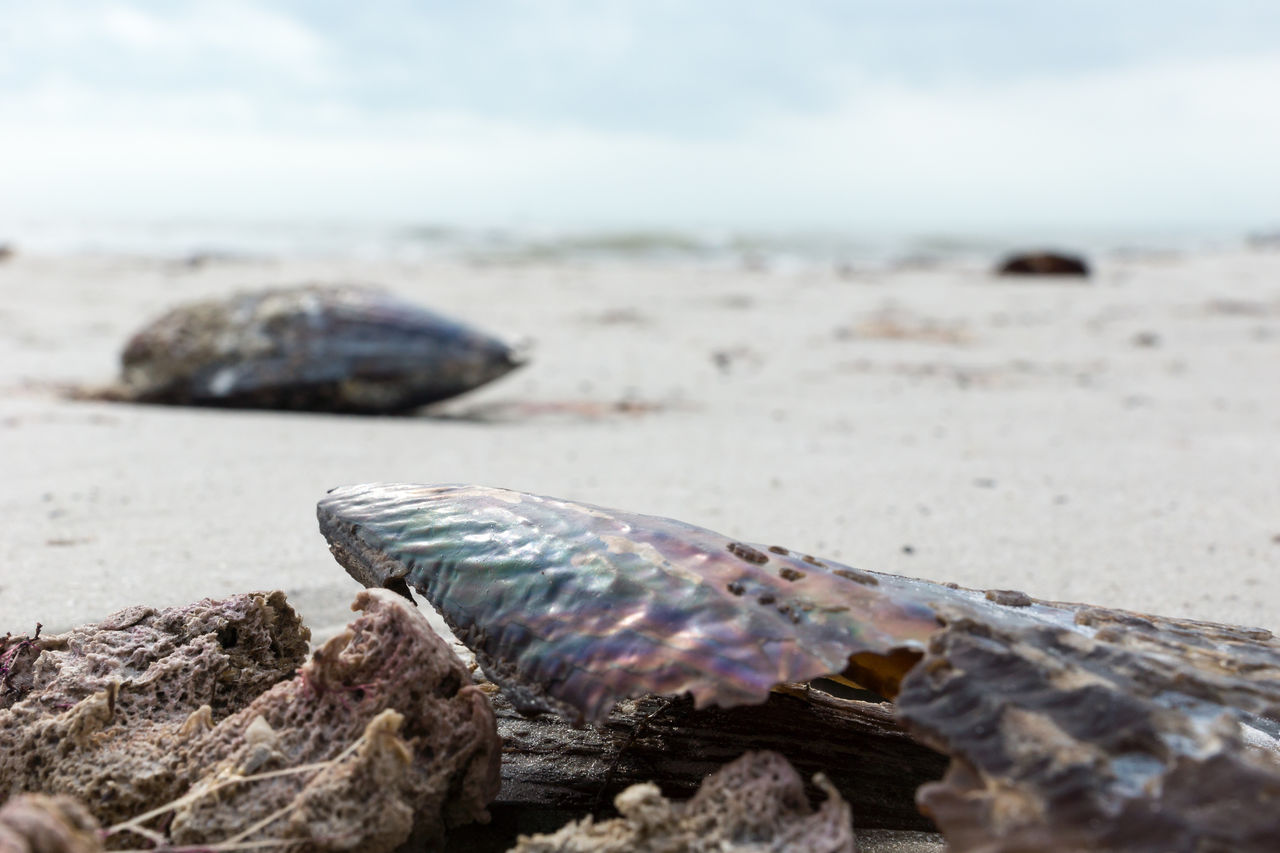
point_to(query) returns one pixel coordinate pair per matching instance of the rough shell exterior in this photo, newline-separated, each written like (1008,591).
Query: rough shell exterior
(149,706)
(1069,726)
(326,348)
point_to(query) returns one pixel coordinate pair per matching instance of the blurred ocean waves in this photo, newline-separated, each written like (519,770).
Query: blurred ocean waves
(197,242)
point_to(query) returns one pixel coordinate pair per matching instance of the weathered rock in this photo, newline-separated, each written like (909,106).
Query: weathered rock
(377,738)
(96,712)
(1043,263)
(320,348)
(1068,726)
(431,766)
(757,804)
(35,823)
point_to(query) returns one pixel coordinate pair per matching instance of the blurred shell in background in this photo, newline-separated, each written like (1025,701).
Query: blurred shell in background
(333,348)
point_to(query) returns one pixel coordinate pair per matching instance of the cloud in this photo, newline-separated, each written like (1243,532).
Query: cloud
(1160,143)
(233,28)
(1165,141)
(116,45)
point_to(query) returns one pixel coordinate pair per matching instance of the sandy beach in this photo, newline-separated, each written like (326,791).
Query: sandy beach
(1111,442)
(749,266)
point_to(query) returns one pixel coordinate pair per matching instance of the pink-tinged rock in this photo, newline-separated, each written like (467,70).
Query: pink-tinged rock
(160,708)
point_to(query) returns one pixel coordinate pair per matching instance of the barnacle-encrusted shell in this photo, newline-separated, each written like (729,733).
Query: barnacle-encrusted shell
(335,348)
(1070,727)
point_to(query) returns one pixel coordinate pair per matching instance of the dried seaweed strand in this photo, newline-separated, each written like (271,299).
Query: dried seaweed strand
(11,654)
(211,848)
(135,824)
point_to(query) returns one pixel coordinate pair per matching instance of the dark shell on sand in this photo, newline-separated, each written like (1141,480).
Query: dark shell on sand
(1068,726)
(1043,263)
(320,348)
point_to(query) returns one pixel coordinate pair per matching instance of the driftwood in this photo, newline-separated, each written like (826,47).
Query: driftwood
(554,772)
(549,766)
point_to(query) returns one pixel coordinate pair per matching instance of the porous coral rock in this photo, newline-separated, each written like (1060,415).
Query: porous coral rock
(377,738)
(35,823)
(429,765)
(753,805)
(97,712)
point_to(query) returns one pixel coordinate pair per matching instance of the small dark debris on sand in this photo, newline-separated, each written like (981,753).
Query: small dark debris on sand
(1043,264)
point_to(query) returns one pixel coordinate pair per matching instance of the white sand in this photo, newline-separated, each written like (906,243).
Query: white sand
(1017,436)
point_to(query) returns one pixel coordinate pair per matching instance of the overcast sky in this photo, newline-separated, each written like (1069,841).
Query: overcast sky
(899,115)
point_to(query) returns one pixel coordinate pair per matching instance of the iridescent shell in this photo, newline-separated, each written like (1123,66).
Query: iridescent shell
(572,607)
(328,348)
(1069,726)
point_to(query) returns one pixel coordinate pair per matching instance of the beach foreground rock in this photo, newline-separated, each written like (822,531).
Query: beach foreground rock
(35,823)
(757,803)
(196,726)
(1068,726)
(312,347)
(103,707)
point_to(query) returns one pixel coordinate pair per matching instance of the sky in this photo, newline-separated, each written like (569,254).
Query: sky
(902,115)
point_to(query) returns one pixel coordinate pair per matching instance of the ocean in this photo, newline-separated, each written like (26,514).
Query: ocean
(780,250)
